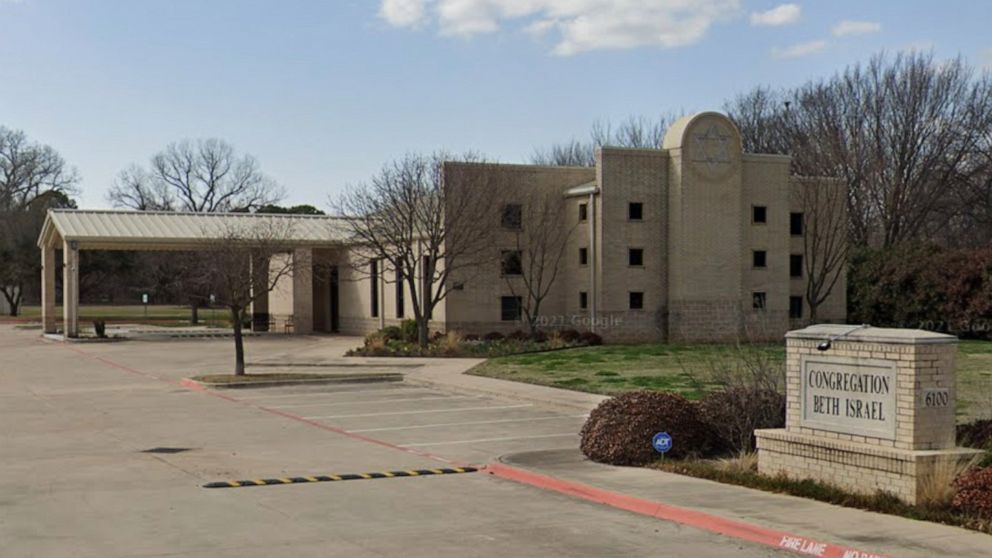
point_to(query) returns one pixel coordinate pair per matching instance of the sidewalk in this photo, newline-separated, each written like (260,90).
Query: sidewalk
(876,533)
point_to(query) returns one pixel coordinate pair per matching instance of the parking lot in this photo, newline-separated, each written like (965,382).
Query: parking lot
(104,453)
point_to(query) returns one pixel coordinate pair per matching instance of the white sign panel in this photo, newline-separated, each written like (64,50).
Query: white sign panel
(848,395)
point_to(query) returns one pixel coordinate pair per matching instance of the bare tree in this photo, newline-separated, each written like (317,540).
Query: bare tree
(897,130)
(541,242)
(427,218)
(634,131)
(242,267)
(825,244)
(203,176)
(33,179)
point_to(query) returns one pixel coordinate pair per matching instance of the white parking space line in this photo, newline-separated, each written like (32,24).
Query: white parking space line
(432,398)
(480,440)
(329,393)
(422,412)
(476,422)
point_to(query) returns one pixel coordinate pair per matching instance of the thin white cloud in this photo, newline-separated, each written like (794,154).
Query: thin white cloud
(799,50)
(785,14)
(848,27)
(402,13)
(576,25)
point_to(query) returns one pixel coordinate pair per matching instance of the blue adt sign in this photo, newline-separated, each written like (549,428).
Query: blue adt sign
(662,442)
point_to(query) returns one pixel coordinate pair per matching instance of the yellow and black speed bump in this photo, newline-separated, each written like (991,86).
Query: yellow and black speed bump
(333,478)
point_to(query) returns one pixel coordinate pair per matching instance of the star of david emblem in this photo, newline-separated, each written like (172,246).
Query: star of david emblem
(712,149)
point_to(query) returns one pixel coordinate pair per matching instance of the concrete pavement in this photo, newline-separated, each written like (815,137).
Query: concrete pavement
(76,478)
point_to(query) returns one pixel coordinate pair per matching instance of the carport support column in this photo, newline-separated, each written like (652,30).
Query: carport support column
(303,290)
(70,288)
(260,294)
(48,288)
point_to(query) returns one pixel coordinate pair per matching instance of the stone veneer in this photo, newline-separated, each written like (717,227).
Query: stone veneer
(867,463)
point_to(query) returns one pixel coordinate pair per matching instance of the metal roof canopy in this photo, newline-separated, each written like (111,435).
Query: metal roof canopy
(169,230)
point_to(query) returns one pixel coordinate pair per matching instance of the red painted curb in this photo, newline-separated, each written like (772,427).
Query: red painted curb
(682,516)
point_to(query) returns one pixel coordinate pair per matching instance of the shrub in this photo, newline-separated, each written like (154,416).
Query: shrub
(569,335)
(620,429)
(450,343)
(974,492)
(493,336)
(437,337)
(100,328)
(539,336)
(734,413)
(471,337)
(977,434)
(590,338)
(408,331)
(375,341)
(392,333)
(517,335)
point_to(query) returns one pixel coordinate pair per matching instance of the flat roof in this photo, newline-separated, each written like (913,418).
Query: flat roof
(136,230)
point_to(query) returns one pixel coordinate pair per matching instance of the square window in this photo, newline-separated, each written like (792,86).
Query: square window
(759,258)
(583,211)
(796,224)
(759,214)
(583,256)
(795,307)
(795,265)
(758,301)
(512,263)
(583,300)
(635,211)
(636,301)
(635,256)
(512,217)
(511,308)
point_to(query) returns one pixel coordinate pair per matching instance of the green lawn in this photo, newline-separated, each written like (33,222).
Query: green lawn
(157,314)
(612,369)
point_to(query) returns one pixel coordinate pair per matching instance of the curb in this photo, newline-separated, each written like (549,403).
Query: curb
(345,477)
(682,516)
(346,379)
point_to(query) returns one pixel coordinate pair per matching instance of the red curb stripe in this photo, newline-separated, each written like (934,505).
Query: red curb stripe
(715,524)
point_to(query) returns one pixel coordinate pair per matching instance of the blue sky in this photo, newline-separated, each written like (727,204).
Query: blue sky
(324,92)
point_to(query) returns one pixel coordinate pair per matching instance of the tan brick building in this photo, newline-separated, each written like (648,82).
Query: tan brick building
(691,241)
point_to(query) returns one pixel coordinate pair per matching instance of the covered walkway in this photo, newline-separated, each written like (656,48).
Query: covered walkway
(73,230)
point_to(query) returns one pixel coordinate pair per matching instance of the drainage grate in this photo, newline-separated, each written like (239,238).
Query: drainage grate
(166,450)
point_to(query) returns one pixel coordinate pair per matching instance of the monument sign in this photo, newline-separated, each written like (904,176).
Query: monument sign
(870,410)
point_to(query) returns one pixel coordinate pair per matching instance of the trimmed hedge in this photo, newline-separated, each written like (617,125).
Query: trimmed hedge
(620,429)
(974,492)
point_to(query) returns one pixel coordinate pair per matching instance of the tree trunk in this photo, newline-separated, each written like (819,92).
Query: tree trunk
(422,332)
(239,344)
(195,318)
(812,313)
(13,301)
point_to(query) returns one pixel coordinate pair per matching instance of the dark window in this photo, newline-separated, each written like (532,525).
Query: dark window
(759,258)
(635,256)
(583,256)
(583,211)
(512,263)
(512,216)
(758,301)
(510,308)
(400,299)
(374,287)
(795,265)
(795,307)
(796,224)
(583,300)
(636,301)
(759,214)
(635,211)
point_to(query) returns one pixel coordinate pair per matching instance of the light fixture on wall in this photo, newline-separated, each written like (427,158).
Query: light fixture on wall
(825,346)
